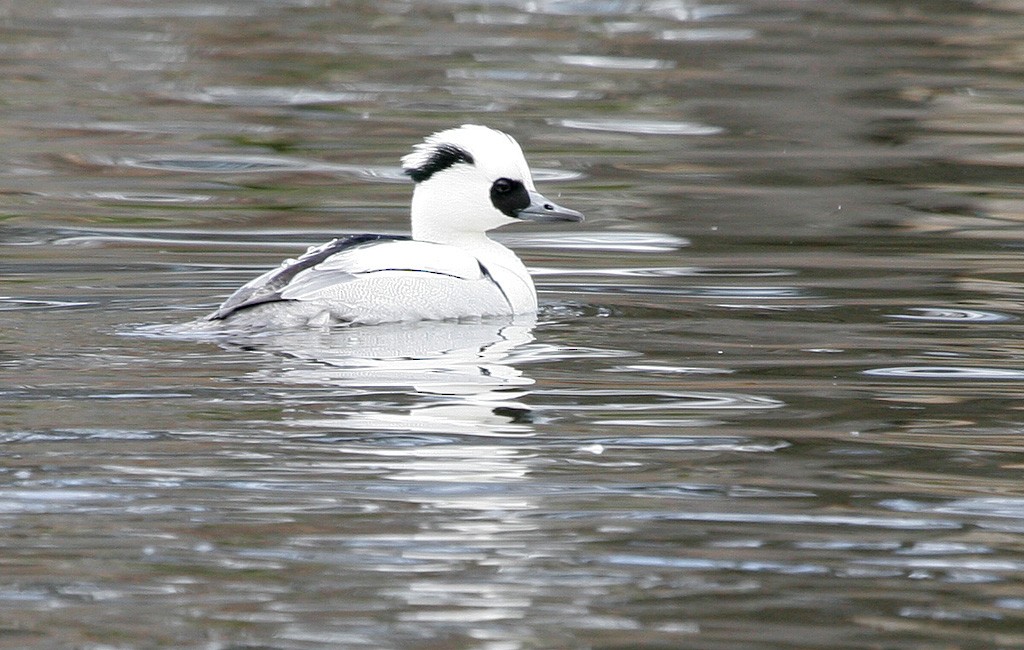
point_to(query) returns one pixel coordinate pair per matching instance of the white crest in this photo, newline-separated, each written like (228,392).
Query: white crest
(494,153)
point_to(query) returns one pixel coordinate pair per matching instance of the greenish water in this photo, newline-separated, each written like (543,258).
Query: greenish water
(772,398)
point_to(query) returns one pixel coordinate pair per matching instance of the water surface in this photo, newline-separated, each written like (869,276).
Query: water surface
(772,398)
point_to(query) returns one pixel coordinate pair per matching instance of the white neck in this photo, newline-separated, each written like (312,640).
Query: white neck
(479,244)
(454,207)
(501,263)
(454,211)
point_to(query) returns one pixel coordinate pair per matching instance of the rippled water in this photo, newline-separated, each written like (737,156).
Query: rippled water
(772,398)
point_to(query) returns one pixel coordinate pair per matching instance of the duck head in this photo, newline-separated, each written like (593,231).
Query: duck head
(472,179)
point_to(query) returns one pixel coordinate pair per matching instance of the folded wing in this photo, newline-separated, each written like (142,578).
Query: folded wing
(350,259)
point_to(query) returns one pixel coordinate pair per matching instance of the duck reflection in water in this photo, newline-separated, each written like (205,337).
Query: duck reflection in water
(460,371)
(447,303)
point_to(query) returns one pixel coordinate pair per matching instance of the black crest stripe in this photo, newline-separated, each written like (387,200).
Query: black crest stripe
(440,158)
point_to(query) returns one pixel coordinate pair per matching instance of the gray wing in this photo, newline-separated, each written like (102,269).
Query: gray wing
(270,286)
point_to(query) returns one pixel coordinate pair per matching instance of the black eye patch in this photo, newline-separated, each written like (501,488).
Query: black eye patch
(509,196)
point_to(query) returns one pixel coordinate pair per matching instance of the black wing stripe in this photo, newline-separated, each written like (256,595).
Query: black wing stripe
(487,274)
(270,290)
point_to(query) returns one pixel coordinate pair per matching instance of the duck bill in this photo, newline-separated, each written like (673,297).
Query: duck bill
(543,210)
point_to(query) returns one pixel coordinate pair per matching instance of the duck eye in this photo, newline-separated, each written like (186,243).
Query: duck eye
(509,196)
(502,186)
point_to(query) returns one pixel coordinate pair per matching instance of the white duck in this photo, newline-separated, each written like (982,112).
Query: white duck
(469,180)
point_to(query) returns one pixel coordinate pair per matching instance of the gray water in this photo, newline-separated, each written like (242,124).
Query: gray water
(772,399)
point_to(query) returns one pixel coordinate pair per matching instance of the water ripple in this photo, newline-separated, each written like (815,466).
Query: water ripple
(952,315)
(250,164)
(947,372)
(641,127)
(660,369)
(659,399)
(257,164)
(148,197)
(1002,507)
(747,293)
(10,303)
(784,519)
(701,564)
(613,62)
(192,128)
(667,272)
(709,34)
(271,96)
(635,242)
(693,443)
(184,10)
(55,500)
